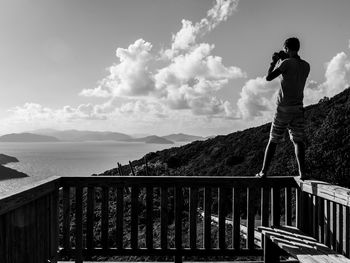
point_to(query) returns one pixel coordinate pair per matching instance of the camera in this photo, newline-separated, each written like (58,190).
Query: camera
(282,55)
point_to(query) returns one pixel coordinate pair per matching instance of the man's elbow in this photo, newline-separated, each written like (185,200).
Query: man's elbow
(269,78)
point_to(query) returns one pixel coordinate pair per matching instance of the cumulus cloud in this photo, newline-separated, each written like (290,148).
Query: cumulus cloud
(337,78)
(30,112)
(130,77)
(257,96)
(187,35)
(184,77)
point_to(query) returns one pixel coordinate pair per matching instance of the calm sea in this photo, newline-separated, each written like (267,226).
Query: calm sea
(75,158)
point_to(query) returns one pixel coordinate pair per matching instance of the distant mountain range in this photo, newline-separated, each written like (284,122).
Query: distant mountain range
(50,135)
(27,137)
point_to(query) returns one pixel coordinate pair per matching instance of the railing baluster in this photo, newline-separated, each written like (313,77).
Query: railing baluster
(164,217)
(104,219)
(320,216)
(327,223)
(120,217)
(275,206)
(53,222)
(288,206)
(309,214)
(339,237)
(66,218)
(221,214)
(236,217)
(134,216)
(79,224)
(207,217)
(298,208)
(250,218)
(178,210)
(149,217)
(193,216)
(314,221)
(265,193)
(90,218)
(333,225)
(346,247)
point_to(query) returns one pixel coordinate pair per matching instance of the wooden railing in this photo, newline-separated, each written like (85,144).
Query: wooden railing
(158,216)
(81,217)
(29,223)
(324,213)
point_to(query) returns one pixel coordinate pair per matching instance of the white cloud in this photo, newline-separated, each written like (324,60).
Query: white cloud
(337,78)
(257,96)
(33,112)
(186,37)
(185,80)
(131,77)
(192,79)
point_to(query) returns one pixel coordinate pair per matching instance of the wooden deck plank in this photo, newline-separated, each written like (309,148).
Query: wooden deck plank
(302,247)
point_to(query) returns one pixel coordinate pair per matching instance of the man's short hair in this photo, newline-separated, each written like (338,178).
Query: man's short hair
(292,44)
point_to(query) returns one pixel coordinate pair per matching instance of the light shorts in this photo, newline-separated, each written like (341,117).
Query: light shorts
(291,118)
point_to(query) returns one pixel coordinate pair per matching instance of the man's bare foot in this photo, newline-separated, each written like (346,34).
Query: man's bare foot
(261,174)
(302,177)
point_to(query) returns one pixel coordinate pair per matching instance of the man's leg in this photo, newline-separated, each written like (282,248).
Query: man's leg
(299,148)
(269,152)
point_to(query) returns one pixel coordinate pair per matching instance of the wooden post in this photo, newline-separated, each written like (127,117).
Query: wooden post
(66,217)
(288,206)
(164,217)
(104,219)
(90,218)
(149,217)
(134,216)
(236,216)
(275,206)
(265,206)
(320,216)
(79,225)
(207,217)
(221,214)
(193,216)
(178,217)
(146,165)
(271,251)
(120,217)
(131,168)
(250,218)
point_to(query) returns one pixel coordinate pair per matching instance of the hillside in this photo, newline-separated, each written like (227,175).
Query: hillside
(27,137)
(152,139)
(241,153)
(180,137)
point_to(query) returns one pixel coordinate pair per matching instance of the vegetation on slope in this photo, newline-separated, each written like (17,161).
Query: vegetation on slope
(241,153)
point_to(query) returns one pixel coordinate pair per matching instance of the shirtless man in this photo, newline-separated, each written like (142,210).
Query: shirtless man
(289,112)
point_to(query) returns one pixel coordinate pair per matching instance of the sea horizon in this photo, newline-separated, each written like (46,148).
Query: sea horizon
(45,159)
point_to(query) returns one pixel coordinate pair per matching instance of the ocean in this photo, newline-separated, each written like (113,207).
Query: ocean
(45,159)
(75,158)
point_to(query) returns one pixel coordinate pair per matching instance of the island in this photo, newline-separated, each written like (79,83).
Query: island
(27,137)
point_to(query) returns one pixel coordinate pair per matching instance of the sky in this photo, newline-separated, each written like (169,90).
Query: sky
(160,66)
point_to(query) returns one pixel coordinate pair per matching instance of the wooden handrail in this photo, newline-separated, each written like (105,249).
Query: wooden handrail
(28,193)
(29,222)
(334,193)
(324,213)
(322,210)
